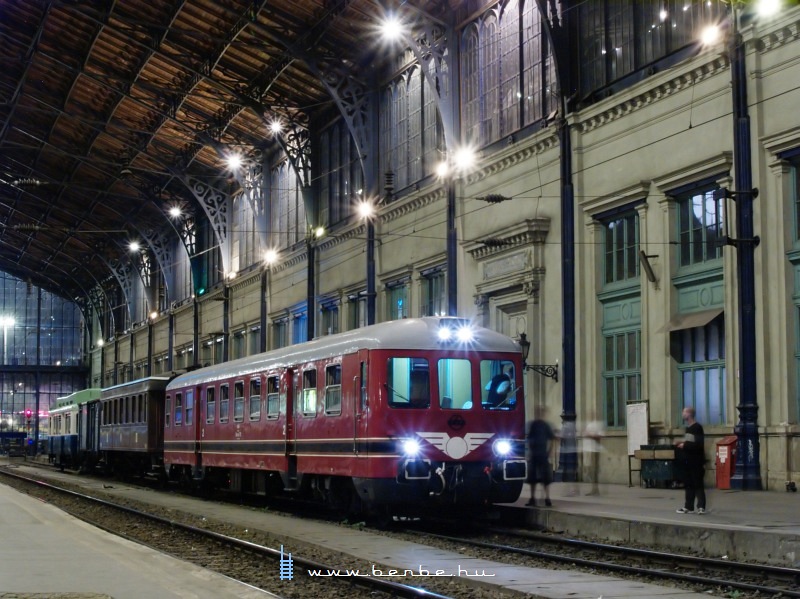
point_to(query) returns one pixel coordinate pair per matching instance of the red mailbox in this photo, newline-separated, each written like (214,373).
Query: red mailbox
(726,460)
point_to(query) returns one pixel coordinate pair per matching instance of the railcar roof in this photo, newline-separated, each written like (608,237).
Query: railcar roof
(406,334)
(79,397)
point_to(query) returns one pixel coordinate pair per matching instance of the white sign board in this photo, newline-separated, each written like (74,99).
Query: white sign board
(638,425)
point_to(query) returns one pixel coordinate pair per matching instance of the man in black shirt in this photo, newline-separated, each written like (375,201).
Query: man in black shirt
(694,458)
(540,439)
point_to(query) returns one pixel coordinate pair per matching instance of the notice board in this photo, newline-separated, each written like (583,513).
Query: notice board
(638,422)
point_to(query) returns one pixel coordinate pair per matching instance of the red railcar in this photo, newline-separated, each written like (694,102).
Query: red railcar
(401,413)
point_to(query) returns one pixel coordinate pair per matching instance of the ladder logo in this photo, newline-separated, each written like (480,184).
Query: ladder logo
(286,566)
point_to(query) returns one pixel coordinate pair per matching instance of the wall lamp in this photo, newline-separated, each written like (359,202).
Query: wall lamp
(547,370)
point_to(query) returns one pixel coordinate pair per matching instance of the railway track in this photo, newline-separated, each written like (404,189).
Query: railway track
(741,578)
(214,550)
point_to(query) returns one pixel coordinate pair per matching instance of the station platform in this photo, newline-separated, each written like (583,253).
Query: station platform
(762,526)
(47,554)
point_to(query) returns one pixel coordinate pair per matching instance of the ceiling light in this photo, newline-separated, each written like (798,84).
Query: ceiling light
(391,28)
(234,162)
(134,246)
(710,35)
(270,256)
(275,127)
(175,211)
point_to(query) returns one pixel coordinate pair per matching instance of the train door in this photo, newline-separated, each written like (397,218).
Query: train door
(288,385)
(193,398)
(360,404)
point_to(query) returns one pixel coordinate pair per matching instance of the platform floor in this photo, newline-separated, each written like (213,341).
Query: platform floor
(364,547)
(740,525)
(47,554)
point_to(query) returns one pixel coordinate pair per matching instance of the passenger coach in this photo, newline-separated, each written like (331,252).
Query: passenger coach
(402,413)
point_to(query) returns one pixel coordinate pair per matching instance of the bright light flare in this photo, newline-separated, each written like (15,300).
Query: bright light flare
(271,256)
(134,246)
(442,169)
(391,28)
(366,209)
(411,448)
(153,315)
(275,127)
(663,14)
(465,158)
(234,162)
(7,321)
(175,211)
(464,334)
(502,447)
(444,334)
(319,232)
(768,8)
(100,343)
(710,35)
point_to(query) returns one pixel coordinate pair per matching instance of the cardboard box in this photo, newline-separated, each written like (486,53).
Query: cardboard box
(664,454)
(644,454)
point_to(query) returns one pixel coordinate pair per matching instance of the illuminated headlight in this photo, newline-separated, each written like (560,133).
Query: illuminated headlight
(502,447)
(464,334)
(445,333)
(411,448)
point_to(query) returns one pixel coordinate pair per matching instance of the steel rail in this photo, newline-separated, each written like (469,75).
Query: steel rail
(395,589)
(638,571)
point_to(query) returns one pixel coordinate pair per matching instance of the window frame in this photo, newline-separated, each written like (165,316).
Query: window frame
(224,403)
(211,405)
(273,396)
(255,380)
(333,386)
(309,392)
(238,400)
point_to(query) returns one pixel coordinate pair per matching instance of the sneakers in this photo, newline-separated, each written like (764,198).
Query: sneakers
(683,510)
(701,510)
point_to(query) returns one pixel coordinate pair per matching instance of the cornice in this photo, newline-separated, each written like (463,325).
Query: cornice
(654,94)
(531,231)
(549,141)
(405,206)
(780,36)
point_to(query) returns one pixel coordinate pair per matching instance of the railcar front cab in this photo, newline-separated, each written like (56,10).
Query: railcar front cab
(466,415)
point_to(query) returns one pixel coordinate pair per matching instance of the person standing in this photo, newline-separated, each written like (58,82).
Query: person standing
(540,446)
(693,448)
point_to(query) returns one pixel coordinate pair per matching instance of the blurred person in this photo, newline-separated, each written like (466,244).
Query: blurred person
(592,435)
(540,439)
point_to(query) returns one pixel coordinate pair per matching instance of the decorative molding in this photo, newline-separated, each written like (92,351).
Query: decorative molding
(550,141)
(654,94)
(637,191)
(788,139)
(411,204)
(781,36)
(715,165)
(531,231)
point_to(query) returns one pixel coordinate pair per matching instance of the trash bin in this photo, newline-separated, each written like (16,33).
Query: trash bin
(726,460)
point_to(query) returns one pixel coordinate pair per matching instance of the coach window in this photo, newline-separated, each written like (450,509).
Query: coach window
(455,384)
(255,398)
(211,406)
(363,372)
(224,392)
(498,387)
(189,407)
(238,401)
(273,397)
(168,412)
(178,409)
(310,393)
(333,389)
(408,383)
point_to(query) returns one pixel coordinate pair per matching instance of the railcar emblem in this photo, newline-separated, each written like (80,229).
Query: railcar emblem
(456,422)
(456,447)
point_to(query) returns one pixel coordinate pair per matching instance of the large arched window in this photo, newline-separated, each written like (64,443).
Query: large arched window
(508,79)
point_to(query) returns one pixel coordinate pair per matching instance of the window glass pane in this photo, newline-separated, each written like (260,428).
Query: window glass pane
(178,409)
(189,407)
(238,401)
(499,390)
(333,389)
(273,397)
(408,383)
(254,408)
(309,392)
(223,403)
(455,384)
(167,412)
(211,406)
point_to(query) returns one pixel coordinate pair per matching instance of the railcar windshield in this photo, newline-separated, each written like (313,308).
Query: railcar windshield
(498,387)
(409,383)
(455,384)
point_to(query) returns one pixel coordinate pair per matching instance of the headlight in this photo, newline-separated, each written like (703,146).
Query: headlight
(445,333)
(464,334)
(411,448)
(502,447)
